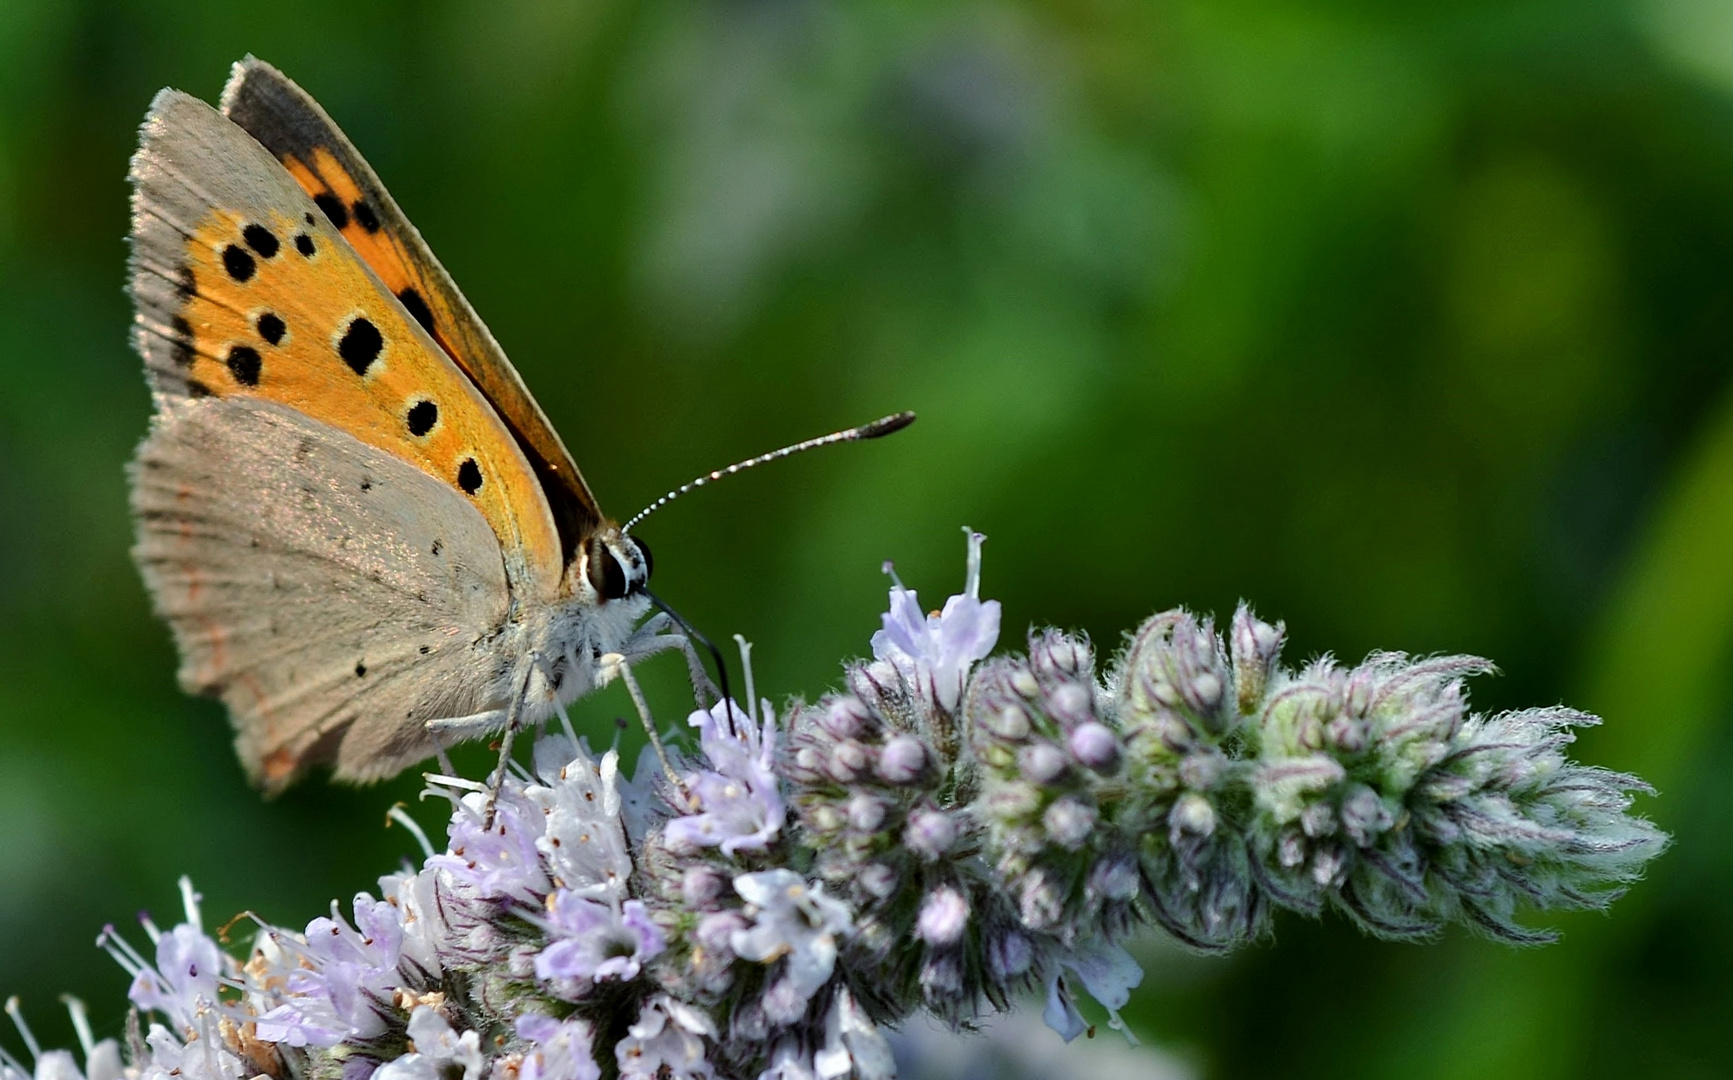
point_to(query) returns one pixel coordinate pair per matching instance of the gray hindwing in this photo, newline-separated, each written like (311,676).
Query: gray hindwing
(335,597)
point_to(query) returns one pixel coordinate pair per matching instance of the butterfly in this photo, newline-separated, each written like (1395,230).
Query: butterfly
(364,533)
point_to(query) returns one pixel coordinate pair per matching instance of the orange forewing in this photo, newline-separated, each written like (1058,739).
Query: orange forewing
(314,287)
(292,126)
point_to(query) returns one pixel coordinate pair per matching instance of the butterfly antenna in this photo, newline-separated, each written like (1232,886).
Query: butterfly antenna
(715,653)
(878,428)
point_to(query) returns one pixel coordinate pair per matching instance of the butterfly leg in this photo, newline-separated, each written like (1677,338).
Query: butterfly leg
(654,637)
(615,665)
(513,720)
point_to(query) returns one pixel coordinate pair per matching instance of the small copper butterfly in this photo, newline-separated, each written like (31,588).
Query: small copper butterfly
(364,533)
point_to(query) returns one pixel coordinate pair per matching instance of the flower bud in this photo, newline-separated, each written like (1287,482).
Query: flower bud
(930,832)
(844,717)
(1069,821)
(1206,691)
(942,976)
(824,818)
(1347,734)
(847,761)
(1327,865)
(1115,878)
(1008,802)
(1023,681)
(1071,704)
(1060,657)
(809,762)
(1042,762)
(1093,744)
(1364,815)
(1318,819)
(1200,771)
(1010,954)
(903,760)
(872,683)
(1040,901)
(1256,645)
(1193,814)
(865,812)
(700,887)
(715,929)
(943,918)
(1359,692)
(1010,723)
(878,880)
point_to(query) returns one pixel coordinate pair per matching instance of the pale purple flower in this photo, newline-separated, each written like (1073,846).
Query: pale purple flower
(1108,972)
(57,1065)
(439,1052)
(583,839)
(593,942)
(788,1062)
(501,862)
(350,982)
(184,981)
(795,922)
(203,1058)
(562,1051)
(935,652)
(853,1044)
(739,800)
(666,1043)
(427,937)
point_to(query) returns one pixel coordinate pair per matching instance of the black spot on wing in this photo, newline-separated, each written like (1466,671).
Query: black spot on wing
(197,389)
(417,307)
(238,263)
(261,240)
(304,244)
(271,328)
(187,285)
(364,216)
(183,341)
(360,345)
(469,476)
(333,208)
(244,365)
(421,418)
(360,668)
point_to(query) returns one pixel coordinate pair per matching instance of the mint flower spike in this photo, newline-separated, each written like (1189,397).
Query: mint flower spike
(1238,786)
(950,833)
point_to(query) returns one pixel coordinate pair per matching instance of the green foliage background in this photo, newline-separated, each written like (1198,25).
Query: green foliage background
(1410,323)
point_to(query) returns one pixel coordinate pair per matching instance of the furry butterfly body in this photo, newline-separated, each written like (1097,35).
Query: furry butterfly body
(365,535)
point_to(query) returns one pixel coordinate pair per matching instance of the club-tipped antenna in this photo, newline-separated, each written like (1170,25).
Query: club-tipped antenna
(880,427)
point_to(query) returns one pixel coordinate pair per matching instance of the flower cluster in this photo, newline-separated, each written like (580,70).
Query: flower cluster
(945,833)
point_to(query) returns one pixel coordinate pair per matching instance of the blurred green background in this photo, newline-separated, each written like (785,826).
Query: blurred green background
(1410,323)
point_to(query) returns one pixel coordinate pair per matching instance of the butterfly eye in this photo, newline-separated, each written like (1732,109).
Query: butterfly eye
(607,576)
(644,553)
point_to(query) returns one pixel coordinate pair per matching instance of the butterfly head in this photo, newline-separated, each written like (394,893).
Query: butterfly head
(612,566)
